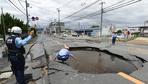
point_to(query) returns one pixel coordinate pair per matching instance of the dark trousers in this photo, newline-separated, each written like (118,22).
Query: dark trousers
(113,40)
(63,58)
(18,64)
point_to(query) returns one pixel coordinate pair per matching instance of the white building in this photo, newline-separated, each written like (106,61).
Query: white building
(56,27)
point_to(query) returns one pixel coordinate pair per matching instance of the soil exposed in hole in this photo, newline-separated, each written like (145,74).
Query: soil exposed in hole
(93,62)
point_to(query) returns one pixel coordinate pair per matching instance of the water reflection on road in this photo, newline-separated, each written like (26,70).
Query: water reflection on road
(92,62)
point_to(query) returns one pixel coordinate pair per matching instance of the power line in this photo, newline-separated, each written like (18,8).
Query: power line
(99,11)
(105,11)
(42,9)
(16,7)
(115,4)
(67,3)
(12,6)
(21,4)
(109,9)
(82,9)
(121,6)
(104,8)
(113,8)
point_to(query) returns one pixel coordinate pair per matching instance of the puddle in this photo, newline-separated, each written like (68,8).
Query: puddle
(93,62)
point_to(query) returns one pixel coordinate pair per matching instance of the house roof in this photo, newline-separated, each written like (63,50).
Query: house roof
(139,27)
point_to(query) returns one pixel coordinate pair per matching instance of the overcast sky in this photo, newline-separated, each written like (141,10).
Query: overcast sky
(46,10)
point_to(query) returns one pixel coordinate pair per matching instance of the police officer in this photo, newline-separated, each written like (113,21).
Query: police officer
(64,54)
(15,52)
(114,36)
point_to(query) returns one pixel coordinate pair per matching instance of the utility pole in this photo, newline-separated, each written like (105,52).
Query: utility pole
(59,19)
(102,11)
(27,16)
(79,26)
(3,25)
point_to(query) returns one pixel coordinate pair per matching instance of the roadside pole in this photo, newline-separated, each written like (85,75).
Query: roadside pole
(101,18)
(59,19)
(27,16)
(3,25)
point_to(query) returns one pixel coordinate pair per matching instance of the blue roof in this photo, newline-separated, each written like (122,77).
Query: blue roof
(86,29)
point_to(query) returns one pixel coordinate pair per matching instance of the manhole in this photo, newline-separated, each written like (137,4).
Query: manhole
(96,62)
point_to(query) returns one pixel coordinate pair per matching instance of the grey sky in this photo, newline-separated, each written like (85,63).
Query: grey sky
(132,15)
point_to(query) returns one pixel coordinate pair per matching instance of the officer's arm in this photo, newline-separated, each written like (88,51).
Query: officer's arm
(75,58)
(55,57)
(21,42)
(69,53)
(72,56)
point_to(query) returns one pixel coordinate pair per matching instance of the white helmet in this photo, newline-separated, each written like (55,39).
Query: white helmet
(16,30)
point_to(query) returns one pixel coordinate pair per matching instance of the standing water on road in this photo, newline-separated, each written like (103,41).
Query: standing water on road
(96,63)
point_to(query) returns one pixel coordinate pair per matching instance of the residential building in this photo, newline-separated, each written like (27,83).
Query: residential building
(56,27)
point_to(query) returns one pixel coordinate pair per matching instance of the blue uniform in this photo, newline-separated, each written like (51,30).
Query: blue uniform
(114,36)
(63,54)
(19,42)
(15,52)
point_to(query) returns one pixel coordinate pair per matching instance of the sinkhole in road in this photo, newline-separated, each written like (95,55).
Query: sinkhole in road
(92,60)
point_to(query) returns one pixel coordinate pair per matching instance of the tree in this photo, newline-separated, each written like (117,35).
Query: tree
(11,21)
(95,26)
(119,32)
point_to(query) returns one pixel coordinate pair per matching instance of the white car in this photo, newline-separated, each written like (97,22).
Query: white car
(120,36)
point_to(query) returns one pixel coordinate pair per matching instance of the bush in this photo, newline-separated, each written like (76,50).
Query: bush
(137,34)
(119,32)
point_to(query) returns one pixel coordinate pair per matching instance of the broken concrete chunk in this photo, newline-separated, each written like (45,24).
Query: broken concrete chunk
(6,75)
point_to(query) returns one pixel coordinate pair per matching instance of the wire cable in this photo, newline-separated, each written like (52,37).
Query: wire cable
(107,10)
(42,9)
(121,6)
(104,8)
(16,7)
(99,11)
(82,9)
(115,4)
(67,3)
(21,4)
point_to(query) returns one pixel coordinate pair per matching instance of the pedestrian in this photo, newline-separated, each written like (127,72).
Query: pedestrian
(16,52)
(128,34)
(64,54)
(114,36)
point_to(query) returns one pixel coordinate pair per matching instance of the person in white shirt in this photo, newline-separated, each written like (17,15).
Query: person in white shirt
(64,54)
(114,36)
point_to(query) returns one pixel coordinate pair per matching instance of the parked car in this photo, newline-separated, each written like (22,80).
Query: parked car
(120,36)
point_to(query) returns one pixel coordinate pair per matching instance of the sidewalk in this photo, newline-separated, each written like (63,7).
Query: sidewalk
(139,41)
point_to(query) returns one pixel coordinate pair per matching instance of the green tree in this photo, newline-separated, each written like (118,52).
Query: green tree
(11,21)
(119,32)
(95,26)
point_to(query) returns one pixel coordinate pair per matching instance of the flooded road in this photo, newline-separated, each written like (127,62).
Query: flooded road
(93,62)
